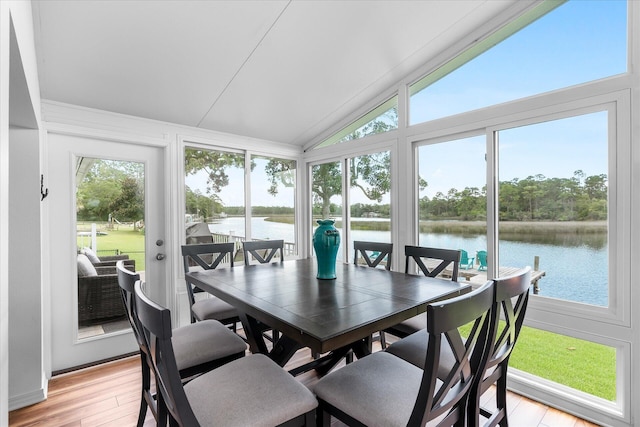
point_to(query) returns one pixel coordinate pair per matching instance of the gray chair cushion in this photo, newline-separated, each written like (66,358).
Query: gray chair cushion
(213,308)
(251,391)
(413,349)
(85,268)
(377,390)
(201,342)
(93,257)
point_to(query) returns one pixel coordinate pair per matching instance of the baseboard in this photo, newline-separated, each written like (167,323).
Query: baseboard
(36,396)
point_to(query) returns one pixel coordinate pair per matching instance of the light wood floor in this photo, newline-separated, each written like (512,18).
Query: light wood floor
(108,395)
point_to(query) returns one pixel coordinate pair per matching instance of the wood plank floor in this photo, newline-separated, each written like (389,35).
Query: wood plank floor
(108,396)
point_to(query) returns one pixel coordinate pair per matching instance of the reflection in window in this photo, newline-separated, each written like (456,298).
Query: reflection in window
(452,200)
(381,119)
(214,192)
(370,188)
(553,205)
(588,41)
(273,185)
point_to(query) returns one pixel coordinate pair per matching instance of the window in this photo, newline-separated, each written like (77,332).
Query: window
(580,41)
(381,119)
(326,190)
(553,199)
(110,226)
(452,205)
(215,195)
(369,198)
(214,192)
(273,185)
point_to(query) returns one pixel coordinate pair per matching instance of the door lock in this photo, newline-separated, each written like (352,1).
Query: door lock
(160,257)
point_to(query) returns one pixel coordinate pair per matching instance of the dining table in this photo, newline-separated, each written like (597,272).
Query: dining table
(332,317)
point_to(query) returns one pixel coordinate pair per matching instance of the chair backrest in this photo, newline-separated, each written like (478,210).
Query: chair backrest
(269,248)
(155,322)
(512,298)
(444,320)
(126,280)
(464,256)
(482,259)
(442,257)
(208,256)
(373,253)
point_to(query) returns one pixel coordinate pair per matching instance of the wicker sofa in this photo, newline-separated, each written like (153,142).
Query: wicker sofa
(99,297)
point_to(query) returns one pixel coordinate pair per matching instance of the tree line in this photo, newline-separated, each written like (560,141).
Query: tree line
(535,198)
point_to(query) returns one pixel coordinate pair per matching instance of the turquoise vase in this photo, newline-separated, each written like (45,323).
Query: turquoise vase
(326,241)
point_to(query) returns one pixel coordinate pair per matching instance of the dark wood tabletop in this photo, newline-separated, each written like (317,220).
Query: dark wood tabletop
(324,315)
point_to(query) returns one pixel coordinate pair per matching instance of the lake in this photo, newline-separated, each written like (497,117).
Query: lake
(576,267)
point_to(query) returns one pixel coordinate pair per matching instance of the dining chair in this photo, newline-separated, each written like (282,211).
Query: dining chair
(373,253)
(512,297)
(252,390)
(412,396)
(208,256)
(262,251)
(432,262)
(199,347)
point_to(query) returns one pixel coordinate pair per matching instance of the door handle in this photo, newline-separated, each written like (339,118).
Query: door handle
(160,257)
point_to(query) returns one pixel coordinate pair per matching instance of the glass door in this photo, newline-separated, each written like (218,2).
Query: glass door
(109,205)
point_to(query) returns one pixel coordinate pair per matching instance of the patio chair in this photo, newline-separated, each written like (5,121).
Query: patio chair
(482,260)
(199,347)
(251,390)
(262,251)
(208,256)
(512,296)
(107,260)
(465,262)
(432,262)
(98,293)
(411,396)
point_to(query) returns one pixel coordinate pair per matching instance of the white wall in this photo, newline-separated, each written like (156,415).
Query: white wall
(19,105)
(27,382)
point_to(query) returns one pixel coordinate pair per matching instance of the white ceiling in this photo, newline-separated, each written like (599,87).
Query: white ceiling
(279,70)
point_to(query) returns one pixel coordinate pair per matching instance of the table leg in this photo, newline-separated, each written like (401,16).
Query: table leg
(253,331)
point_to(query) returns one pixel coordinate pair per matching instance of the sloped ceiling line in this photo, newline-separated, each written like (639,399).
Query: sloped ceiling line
(266,33)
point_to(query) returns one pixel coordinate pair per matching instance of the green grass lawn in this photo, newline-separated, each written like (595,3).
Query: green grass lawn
(579,364)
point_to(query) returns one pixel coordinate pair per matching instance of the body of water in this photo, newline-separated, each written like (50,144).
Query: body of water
(575,271)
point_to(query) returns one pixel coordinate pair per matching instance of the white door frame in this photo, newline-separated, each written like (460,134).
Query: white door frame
(62,147)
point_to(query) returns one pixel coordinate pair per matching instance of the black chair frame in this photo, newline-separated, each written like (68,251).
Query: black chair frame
(208,256)
(262,250)
(384,250)
(446,256)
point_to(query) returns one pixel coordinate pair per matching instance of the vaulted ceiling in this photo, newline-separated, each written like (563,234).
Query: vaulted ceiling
(281,70)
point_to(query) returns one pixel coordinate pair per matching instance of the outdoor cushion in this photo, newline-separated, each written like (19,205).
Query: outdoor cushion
(85,267)
(90,254)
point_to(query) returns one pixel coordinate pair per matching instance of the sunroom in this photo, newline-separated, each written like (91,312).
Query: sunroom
(512,141)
